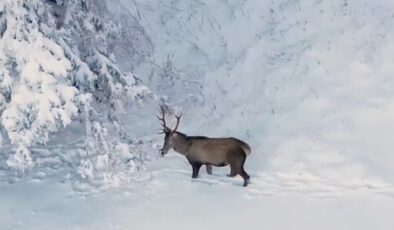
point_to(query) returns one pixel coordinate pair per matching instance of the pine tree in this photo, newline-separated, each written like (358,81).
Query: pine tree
(56,64)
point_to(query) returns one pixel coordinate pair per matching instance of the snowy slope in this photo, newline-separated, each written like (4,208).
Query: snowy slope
(307,83)
(313,94)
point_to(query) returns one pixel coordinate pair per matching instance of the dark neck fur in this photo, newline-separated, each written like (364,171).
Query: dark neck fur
(191,137)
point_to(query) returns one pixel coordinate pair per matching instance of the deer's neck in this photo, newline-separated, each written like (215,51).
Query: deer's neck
(181,143)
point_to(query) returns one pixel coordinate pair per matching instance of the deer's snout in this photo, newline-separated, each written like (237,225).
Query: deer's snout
(163,151)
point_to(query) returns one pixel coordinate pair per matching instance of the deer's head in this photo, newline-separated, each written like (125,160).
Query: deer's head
(169,134)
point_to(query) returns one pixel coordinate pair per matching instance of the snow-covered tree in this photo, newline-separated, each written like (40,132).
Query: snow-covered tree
(56,64)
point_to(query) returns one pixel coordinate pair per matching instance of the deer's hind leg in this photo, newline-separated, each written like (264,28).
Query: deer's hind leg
(245,176)
(237,161)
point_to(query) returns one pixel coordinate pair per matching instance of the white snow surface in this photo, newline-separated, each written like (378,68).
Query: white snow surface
(308,84)
(171,200)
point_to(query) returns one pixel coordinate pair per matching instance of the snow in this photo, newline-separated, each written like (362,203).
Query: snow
(172,200)
(308,84)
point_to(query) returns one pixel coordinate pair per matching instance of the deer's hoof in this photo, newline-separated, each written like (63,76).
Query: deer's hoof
(246,182)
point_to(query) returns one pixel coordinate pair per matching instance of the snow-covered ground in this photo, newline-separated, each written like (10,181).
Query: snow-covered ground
(309,84)
(171,200)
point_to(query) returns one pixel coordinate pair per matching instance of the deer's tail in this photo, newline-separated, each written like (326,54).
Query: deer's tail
(245,147)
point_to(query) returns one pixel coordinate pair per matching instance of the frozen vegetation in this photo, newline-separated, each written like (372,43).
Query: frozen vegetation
(308,84)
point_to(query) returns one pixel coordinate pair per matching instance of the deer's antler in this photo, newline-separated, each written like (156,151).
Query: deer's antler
(178,118)
(162,118)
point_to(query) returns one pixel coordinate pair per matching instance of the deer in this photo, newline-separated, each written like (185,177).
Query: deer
(202,150)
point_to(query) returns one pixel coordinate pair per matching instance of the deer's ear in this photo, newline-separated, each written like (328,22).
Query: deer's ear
(167,132)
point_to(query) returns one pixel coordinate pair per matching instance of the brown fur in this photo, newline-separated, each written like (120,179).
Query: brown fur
(207,151)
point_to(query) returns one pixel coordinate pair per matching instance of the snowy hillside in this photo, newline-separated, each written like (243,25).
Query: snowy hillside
(308,84)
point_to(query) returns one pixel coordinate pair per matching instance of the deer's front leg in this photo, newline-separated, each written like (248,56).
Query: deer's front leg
(196,168)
